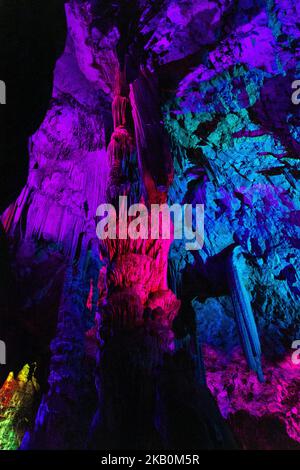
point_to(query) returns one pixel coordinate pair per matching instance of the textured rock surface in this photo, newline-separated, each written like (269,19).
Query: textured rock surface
(188,102)
(236,390)
(17,397)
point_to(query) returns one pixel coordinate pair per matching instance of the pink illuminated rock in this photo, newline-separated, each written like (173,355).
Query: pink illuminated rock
(238,390)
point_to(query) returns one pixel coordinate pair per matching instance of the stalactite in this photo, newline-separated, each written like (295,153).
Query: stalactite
(154,156)
(244,314)
(121,145)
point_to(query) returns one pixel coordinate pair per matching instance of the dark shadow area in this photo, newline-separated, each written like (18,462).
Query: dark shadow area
(32,37)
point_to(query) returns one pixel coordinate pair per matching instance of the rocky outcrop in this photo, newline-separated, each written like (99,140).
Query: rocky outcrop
(17,406)
(179,102)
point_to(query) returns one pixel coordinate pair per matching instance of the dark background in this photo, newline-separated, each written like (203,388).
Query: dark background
(32,36)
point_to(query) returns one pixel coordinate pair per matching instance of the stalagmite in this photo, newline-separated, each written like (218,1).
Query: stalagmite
(60,406)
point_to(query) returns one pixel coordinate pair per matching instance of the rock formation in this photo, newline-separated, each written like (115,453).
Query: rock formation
(141,343)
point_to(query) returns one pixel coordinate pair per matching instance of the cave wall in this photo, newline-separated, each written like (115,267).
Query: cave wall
(208,91)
